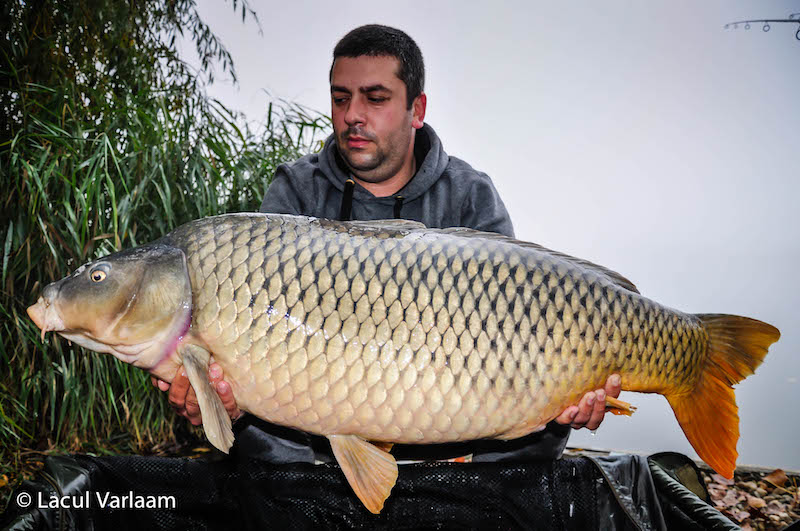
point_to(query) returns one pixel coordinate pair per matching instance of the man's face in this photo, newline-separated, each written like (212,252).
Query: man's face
(374,129)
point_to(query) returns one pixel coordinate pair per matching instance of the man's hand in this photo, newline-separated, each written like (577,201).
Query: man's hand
(590,411)
(184,401)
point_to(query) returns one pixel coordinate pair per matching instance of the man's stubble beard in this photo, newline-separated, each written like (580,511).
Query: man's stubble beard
(382,165)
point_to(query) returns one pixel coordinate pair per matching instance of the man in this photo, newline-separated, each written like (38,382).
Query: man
(383,161)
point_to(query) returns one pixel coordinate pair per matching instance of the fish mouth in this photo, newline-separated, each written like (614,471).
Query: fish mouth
(45,316)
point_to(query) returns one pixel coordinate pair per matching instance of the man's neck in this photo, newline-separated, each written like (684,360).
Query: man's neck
(393,184)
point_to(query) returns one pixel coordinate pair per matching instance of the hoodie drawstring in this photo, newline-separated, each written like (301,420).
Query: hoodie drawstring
(398,204)
(347,200)
(346,207)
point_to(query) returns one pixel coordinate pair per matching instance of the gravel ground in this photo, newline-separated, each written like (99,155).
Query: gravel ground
(756,500)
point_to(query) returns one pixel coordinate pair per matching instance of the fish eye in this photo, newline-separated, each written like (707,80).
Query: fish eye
(99,273)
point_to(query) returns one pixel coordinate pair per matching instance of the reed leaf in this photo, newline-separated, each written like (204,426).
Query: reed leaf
(111,142)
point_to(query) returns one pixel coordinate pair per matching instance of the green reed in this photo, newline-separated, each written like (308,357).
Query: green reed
(109,147)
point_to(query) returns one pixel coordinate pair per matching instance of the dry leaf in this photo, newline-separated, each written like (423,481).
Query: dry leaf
(739,515)
(127,411)
(3,480)
(716,492)
(777,478)
(756,514)
(756,503)
(732,497)
(775,507)
(721,480)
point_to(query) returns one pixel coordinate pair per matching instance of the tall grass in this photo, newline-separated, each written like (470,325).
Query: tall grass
(85,171)
(72,194)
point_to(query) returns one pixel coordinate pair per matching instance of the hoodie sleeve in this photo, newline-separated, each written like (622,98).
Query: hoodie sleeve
(282,197)
(484,210)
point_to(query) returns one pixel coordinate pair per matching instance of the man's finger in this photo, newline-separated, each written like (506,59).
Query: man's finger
(226,394)
(214,373)
(598,411)
(178,389)
(584,410)
(613,386)
(223,390)
(192,405)
(566,417)
(158,383)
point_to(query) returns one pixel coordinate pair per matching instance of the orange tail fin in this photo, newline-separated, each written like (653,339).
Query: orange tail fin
(708,414)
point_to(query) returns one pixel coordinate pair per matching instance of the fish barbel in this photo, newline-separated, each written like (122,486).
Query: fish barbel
(387,331)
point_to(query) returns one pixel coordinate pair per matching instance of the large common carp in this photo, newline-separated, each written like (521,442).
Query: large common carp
(387,331)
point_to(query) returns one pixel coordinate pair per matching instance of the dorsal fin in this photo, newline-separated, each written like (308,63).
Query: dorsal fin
(386,224)
(392,228)
(611,275)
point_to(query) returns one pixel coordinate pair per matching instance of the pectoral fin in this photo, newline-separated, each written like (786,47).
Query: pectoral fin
(216,422)
(370,471)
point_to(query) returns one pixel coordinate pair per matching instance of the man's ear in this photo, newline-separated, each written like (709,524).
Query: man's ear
(418,110)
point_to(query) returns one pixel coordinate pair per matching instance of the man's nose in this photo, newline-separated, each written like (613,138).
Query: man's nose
(355,112)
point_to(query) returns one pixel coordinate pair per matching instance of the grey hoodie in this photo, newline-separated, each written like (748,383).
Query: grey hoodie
(445,191)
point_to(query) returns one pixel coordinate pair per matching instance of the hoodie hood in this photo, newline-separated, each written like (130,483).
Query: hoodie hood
(445,191)
(431,164)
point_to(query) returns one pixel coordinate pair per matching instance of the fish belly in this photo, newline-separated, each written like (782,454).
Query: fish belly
(417,335)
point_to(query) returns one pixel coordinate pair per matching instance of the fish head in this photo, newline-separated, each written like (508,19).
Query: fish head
(135,304)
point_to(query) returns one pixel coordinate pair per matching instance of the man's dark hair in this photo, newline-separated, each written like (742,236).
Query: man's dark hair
(376,40)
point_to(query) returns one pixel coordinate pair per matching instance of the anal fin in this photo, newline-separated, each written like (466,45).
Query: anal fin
(370,471)
(216,422)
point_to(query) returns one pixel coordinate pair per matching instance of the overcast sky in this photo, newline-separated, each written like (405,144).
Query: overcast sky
(640,135)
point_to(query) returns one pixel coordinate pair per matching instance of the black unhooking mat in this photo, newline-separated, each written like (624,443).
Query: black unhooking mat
(572,493)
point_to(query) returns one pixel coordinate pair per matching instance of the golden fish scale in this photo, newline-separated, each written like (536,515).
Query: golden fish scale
(418,335)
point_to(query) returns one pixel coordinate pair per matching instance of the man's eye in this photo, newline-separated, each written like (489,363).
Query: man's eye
(339,100)
(377,99)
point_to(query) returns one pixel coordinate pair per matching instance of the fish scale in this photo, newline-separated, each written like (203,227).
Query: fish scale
(389,331)
(299,319)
